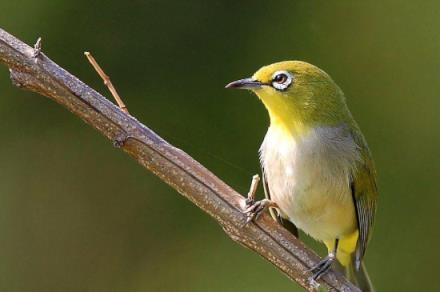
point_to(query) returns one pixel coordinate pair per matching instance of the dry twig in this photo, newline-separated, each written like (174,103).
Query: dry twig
(107,81)
(253,188)
(172,165)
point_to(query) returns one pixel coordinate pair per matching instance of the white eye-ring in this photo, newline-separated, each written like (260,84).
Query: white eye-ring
(281,80)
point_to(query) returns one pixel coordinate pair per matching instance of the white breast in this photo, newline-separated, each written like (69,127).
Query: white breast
(309,178)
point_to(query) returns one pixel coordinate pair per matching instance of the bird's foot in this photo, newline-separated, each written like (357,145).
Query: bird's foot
(322,267)
(255,209)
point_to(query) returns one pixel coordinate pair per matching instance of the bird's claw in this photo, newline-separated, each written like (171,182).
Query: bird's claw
(249,202)
(313,283)
(322,267)
(255,209)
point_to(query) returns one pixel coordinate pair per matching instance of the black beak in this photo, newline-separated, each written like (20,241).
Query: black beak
(247,83)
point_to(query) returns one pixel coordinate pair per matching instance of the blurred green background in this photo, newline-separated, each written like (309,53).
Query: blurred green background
(77,214)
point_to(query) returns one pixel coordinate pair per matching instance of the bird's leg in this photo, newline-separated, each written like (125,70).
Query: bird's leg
(255,208)
(324,265)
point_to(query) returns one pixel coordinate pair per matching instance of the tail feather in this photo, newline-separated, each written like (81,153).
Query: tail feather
(359,277)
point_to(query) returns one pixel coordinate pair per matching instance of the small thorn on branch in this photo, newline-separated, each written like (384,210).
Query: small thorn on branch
(107,81)
(252,190)
(37,48)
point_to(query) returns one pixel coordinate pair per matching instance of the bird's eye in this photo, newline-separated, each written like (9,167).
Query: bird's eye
(281,80)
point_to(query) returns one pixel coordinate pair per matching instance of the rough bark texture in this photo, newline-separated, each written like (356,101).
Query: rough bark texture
(32,70)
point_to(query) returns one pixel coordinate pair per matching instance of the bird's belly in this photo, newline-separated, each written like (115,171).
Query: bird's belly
(316,208)
(310,186)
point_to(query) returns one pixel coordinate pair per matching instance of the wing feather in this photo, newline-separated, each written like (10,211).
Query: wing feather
(364,192)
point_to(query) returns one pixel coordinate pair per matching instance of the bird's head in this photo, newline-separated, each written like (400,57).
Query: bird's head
(297,95)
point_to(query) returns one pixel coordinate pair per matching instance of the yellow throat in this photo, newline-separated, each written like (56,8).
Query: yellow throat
(314,99)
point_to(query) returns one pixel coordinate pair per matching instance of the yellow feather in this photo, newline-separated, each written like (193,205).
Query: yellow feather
(346,247)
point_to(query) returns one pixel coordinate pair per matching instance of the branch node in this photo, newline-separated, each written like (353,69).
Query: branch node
(120,139)
(37,48)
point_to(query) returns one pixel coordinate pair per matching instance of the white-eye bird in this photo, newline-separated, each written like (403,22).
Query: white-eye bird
(318,172)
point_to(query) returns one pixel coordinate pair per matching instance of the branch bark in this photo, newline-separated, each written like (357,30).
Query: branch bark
(32,70)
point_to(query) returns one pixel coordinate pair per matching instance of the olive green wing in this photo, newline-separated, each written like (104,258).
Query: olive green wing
(275,213)
(364,192)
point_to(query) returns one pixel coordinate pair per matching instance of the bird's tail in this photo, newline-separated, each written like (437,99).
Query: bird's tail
(359,277)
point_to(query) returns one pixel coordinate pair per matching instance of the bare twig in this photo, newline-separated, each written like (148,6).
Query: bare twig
(106,80)
(253,188)
(172,165)
(250,200)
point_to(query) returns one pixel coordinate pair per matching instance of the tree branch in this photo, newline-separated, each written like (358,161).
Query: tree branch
(32,70)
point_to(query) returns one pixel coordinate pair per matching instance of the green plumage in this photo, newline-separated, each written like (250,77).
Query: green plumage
(364,190)
(317,168)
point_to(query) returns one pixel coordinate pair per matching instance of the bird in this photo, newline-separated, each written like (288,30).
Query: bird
(317,170)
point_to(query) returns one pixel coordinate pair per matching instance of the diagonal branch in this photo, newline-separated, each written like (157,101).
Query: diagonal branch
(35,72)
